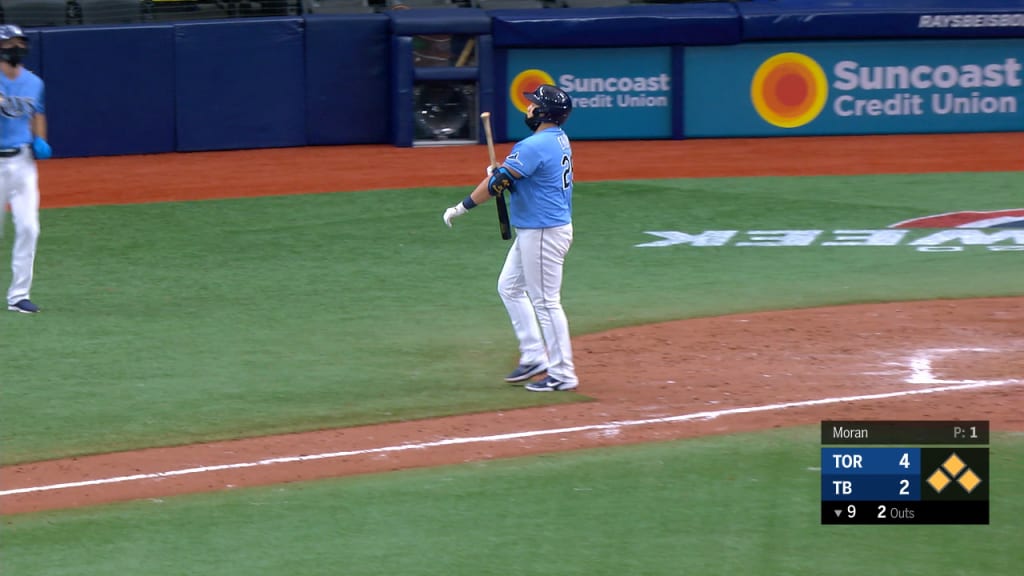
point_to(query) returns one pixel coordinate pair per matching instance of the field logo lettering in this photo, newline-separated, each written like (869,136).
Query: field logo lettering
(995,230)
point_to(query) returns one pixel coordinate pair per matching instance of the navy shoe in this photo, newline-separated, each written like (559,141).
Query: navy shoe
(549,384)
(525,372)
(24,306)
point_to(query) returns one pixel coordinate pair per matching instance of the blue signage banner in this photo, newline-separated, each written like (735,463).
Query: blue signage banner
(620,93)
(884,87)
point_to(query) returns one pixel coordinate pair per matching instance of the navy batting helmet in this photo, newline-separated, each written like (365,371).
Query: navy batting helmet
(9,31)
(552,105)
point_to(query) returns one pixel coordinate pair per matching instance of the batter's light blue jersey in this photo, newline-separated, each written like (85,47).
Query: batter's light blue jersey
(542,198)
(19,100)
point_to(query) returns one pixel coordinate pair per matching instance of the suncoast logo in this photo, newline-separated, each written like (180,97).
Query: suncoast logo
(526,81)
(789,90)
(995,231)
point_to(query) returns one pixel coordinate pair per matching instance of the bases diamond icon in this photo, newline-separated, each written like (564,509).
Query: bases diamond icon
(969,480)
(953,465)
(938,481)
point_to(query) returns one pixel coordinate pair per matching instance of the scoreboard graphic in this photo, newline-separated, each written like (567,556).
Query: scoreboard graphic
(905,472)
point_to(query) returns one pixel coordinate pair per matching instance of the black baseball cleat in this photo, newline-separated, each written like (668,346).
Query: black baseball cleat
(525,372)
(24,306)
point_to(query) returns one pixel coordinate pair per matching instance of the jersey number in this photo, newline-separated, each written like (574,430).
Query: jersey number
(566,171)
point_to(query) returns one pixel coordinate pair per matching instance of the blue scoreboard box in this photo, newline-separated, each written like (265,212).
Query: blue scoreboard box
(905,472)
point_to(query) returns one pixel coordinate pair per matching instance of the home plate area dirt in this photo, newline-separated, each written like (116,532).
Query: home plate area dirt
(941,359)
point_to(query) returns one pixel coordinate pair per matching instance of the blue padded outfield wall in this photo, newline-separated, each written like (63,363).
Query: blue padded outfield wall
(98,101)
(771,67)
(347,79)
(240,84)
(715,69)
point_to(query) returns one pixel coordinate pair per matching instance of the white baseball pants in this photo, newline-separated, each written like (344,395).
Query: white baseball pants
(19,187)
(530,285)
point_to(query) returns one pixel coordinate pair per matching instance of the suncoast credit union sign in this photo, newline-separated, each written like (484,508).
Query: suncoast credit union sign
(855,88)
(941,90)
(616,93)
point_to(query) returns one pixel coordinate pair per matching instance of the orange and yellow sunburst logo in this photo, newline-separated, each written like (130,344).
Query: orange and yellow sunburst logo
(789,90)
(526,81)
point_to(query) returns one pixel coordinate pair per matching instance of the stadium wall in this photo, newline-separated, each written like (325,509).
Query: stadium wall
(723,69)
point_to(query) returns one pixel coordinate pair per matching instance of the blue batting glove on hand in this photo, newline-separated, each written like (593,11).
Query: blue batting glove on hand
(41,149)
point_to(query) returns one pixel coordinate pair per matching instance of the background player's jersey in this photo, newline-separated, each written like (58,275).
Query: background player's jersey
(20,99)
(543,197)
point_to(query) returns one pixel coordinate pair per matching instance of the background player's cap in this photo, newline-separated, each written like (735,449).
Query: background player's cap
(9,31)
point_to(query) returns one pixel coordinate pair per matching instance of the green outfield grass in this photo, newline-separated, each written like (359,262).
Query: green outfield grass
(741,504)
(179,322)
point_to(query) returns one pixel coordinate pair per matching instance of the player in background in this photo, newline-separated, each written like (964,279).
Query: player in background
(22,141)
(537,175)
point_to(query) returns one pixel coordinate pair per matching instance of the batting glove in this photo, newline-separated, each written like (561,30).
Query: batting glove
(451,213)
(41,149)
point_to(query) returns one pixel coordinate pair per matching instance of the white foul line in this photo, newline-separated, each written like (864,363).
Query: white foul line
(615,426)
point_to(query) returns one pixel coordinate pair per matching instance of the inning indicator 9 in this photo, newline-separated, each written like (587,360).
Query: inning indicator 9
(925,472)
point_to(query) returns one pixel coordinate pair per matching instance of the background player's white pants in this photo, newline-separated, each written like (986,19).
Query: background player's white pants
(530,285)
(19,187)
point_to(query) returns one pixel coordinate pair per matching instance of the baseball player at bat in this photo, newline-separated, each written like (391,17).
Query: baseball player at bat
(537,177)
(22,142)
